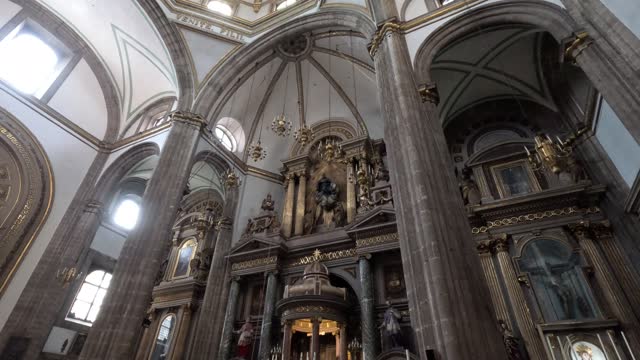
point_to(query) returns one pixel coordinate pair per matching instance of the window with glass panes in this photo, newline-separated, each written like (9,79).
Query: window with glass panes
(86,305)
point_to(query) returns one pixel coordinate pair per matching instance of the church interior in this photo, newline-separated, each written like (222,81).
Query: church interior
(320,179)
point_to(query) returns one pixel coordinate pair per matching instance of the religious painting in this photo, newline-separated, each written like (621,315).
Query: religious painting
(185,254)
(583,350)
(394,282)
(514,178)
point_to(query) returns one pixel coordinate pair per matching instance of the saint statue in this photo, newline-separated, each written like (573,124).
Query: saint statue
(326,200)
(511,343)
(470,192)
(390,328)
(246,337)
(268,204)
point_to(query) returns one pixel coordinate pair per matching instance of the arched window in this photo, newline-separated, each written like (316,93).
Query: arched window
(87,303)
(163,340)
(220,7)
(127,211)
(185,254)
(225,137)
(285,4)
(557,281)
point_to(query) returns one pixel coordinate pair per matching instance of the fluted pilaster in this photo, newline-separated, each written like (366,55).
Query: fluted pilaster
(114,333)
(532,340)
(178,351)
(300,204)
(488,267)
(287,213)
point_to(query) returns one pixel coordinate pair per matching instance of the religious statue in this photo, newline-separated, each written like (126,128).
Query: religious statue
(339,215)
(585,352)
(390,328)
(380,173)
(246,337)
(470,192)
(308,222)
(268,204)
(326,200)
(511,343)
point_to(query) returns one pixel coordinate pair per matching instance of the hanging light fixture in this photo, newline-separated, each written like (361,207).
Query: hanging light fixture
(280,124)
(256,151)
(304,135)
(330,150)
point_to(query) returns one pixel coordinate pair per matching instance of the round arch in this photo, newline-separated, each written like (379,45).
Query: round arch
(539,13)
(26,193)
(218,87)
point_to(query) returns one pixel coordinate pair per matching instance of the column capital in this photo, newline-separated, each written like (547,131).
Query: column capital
(188,118)
(501,243)
(575,45)
(366,256)
(224,223)
(391,25)
(485,247)
(429,93)
(581,229)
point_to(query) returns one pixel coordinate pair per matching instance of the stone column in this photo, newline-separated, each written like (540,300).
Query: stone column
(267,316)
(351,194)
(314,351)
(368,325)
(286,341)
(611,290)
(627,277)
(497,297)
(300,204)
(532,340)
(451,310)
(70,253)
(287,213)
(343,342)
(229,319)
(178,350)
(120,320)
(206,342)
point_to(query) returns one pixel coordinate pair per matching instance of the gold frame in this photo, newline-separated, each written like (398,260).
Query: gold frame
(533,181)
(177,258)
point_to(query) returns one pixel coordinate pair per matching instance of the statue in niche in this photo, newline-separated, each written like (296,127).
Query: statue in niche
(326,199)
(308,222)
(380,173)
(390,328)
(246,336)
(268,204)
(339,215)
(470,191)
(511,343)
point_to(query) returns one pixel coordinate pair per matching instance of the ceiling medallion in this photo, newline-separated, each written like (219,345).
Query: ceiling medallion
(281,126)
(296,46)
(304,135)
(257,152)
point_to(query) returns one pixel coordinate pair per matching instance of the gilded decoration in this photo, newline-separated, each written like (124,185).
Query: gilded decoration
(320,256)
(387,28)
(376,240)
(254,263)
(306,309)
(574,210)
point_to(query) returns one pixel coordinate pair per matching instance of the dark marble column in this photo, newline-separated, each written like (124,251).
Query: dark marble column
(343,342)
(267,316)
(450,306)
(229,319)
(206,344)
(114,333)
(314,352)
(286,341)
(369,337)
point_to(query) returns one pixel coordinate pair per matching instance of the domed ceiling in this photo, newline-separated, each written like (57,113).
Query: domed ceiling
(312,78)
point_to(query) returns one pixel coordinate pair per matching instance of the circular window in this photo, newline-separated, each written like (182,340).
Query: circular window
(126,214)
(225,137)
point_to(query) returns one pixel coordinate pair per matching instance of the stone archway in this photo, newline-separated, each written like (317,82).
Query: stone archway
(26,193)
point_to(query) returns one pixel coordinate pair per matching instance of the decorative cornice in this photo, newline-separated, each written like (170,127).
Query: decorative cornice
(254,263)
(319,256)
(375,240)
(574,210)
(388,27)
(188,118)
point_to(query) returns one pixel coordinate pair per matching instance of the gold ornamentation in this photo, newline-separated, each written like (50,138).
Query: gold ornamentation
(429,93)
(254,263)
(485,246)
(257,4)
(319,256)
(304,135)
(257,152)
(388,27)
(580,43)
(375,240)
(281,126)
(230,179)
(67,275)
(534,217)
(188,118)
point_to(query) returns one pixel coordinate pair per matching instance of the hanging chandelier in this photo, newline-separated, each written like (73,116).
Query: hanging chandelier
(257,152)
(230,179)
(304,135)
(329,150)
(281,126)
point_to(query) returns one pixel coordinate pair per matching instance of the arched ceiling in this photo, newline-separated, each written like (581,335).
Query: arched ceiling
(126,41)
(495,63)
(311,78)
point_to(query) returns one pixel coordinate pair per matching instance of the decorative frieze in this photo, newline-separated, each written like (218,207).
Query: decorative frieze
(319,256)
(514,220)
(376,240)
(254,263)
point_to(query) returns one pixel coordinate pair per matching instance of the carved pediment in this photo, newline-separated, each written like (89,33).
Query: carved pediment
(253,244)
(377,218)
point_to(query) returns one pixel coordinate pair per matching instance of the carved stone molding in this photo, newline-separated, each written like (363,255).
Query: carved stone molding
(319,256)
(375,240)
(254,263)
(574,210)
(188,118)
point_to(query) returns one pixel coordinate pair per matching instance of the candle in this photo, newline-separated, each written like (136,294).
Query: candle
(406,352)
(527,150)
